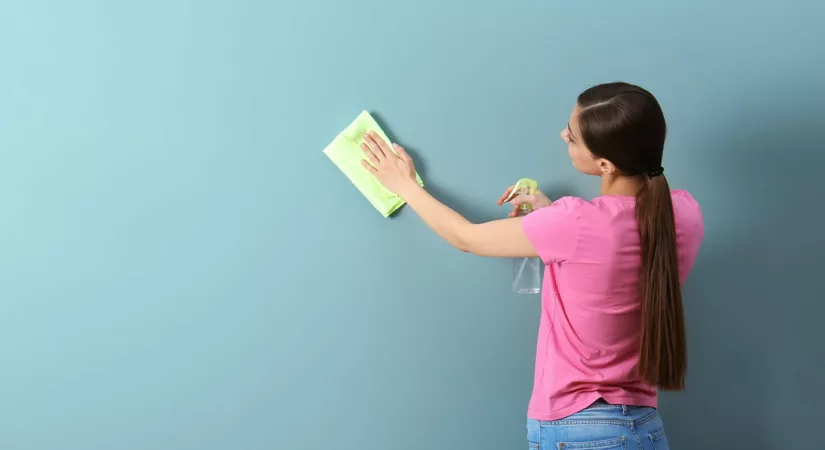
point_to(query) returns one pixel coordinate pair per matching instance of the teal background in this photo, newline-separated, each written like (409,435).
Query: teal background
(182,268)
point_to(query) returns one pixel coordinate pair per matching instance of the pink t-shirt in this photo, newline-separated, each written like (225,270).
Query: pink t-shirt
(590,328)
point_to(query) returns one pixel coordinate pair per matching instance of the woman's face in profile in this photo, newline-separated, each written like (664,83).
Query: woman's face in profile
(583,160)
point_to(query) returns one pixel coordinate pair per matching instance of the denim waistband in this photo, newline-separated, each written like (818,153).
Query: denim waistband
(602,412)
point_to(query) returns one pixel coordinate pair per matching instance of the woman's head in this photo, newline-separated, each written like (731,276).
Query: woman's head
(618,130)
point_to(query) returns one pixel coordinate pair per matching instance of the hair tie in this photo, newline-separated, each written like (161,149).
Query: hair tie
(656,172)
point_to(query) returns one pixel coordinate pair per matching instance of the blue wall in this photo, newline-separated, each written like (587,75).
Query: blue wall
(182,268)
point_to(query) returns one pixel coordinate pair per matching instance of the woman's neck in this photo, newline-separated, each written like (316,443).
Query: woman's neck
(620,185)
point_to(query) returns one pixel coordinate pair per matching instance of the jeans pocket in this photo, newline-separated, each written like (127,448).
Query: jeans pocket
(608,444)
(659,440)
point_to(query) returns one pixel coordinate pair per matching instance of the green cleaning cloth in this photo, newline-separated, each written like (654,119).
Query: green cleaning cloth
(345,151)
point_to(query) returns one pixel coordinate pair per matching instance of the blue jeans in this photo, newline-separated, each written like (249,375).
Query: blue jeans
(601,427)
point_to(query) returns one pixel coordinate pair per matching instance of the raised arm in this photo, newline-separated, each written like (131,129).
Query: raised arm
(396,171)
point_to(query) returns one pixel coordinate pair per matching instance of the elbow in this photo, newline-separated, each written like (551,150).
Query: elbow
(463,240)
(461,244)
(464,246)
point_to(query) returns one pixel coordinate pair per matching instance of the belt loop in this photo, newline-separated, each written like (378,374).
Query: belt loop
(624,410)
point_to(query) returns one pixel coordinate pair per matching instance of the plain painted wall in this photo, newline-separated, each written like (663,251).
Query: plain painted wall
(182,268)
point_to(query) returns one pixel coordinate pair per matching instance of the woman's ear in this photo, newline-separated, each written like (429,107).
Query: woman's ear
(606,167)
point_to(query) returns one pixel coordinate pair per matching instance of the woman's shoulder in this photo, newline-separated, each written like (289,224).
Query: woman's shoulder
(569,202)
(688,214)
(684,195)
(683,200)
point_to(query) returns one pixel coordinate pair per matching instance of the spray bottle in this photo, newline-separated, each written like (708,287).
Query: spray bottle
(526,271)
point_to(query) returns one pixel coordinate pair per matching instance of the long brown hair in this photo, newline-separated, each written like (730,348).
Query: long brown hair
(625,125)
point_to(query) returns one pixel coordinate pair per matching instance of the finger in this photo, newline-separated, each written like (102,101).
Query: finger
(521,199)
(382,144)
(403,154)
(376,149)
(369,154)
(505,195)
(369,167)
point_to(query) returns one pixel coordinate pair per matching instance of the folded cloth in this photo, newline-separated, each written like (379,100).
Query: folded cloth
(345,151)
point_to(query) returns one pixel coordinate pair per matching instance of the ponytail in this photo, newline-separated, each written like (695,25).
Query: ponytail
(624,124)
(663,354)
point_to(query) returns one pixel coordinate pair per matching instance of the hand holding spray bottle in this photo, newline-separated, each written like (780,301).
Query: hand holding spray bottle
(526,271)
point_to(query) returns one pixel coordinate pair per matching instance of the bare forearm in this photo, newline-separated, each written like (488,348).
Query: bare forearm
(448,224)
(395,171)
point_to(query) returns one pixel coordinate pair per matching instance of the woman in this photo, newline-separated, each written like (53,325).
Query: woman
(612,329)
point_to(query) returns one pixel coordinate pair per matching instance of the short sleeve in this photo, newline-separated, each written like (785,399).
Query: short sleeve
(554,230)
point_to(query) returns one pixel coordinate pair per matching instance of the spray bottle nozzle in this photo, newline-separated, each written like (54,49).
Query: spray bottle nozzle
(524,186)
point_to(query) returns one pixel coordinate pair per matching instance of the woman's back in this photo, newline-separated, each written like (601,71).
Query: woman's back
(590,328)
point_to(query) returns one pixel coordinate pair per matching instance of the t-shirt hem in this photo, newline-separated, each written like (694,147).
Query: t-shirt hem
(581,405)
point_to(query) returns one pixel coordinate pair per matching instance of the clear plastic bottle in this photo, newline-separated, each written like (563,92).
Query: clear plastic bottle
(526,271)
